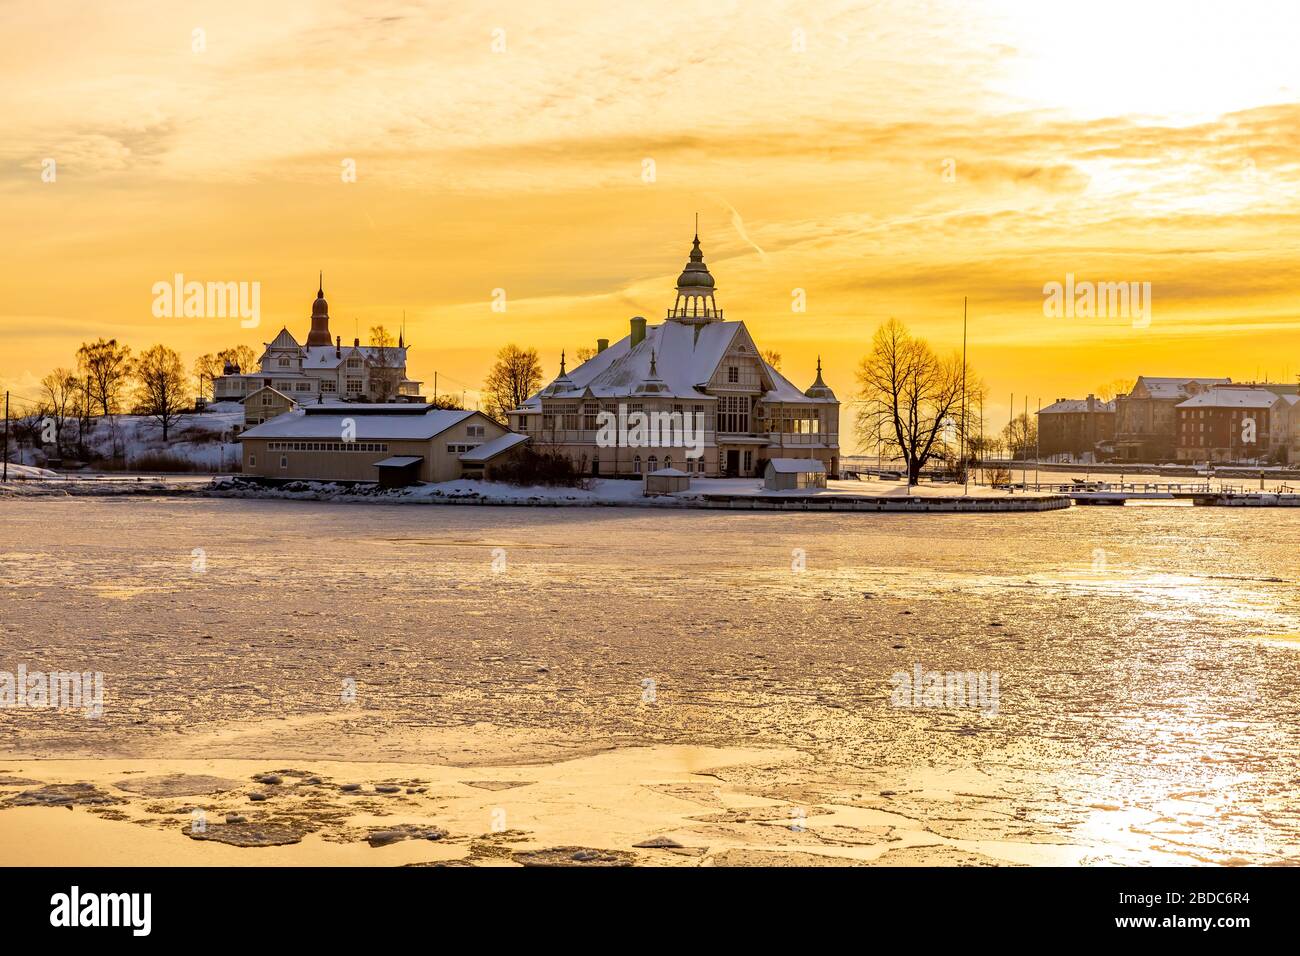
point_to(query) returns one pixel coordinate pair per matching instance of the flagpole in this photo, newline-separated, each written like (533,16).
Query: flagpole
(961,441)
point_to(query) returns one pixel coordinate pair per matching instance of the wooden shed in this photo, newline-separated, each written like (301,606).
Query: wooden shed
(667,481)
(794,474)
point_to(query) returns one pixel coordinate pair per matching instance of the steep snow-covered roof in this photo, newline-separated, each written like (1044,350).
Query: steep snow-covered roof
(314,424)
(684,361)
(284,340)
(329,356)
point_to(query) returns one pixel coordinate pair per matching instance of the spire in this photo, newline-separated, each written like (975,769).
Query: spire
(819,389)
(401,333)
(695,302)
(320,317)
(561,363)
(652,384)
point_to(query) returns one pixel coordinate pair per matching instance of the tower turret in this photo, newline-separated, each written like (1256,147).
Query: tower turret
(320,318)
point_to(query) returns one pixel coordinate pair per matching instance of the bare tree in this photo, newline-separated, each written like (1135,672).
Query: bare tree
(240,356)
(207,368)
(1021,436)
(911,399)
(385,362)
(1115,388)
(584,353)
(515,376)
(773,358)
(61,389)
(108,367)
(163,385)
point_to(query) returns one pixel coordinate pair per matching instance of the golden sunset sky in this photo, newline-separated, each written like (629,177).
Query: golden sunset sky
(1136,141)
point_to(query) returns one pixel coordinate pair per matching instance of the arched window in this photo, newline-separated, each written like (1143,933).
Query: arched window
(636,465)
(668,461)
(652,463)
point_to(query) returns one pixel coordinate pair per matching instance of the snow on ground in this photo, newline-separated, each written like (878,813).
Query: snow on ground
(30,471)
(202,441)
(603,491)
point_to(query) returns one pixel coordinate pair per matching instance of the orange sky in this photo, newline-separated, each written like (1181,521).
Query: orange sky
(1133,142)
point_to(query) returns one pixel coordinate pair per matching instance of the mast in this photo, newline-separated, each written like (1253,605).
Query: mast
(961,439)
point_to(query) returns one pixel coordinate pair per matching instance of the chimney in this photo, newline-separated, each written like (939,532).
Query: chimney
(601,345)
(638,330)
(338,347)
(356,343)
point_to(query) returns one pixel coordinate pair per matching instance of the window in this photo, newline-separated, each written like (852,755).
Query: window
(474,431)
(284,363)
(570,417)
(590,411)
(303,387)
(252,461)
(284,461)
(733,413)
(636,465)
(458,447)
(668,462)
(267,399)
(354,363)
(328,386)
(733,374)
(354,386)
(652,463)
(749,461)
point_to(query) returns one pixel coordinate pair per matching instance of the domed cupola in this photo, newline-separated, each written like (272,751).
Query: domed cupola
(820,389)
(695,289)
(320,318)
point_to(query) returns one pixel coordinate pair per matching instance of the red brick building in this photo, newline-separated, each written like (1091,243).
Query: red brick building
(1075,426)
(1230,424)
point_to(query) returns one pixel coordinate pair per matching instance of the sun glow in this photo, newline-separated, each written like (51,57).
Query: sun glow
(1175,61)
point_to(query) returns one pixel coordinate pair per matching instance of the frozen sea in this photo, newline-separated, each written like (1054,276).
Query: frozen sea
(1148,703)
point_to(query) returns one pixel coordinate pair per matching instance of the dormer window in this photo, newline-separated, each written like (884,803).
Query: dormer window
(284,363)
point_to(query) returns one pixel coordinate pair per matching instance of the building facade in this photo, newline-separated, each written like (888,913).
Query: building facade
(1146,420)
(696,364)
(1238,424)
(323,369)
(1074,427)
(353,443)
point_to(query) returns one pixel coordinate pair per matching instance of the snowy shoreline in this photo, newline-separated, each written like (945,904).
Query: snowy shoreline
(714,494)
(744,494)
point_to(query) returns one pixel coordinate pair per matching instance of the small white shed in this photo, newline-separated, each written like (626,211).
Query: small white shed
(793,474)
(666,481)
